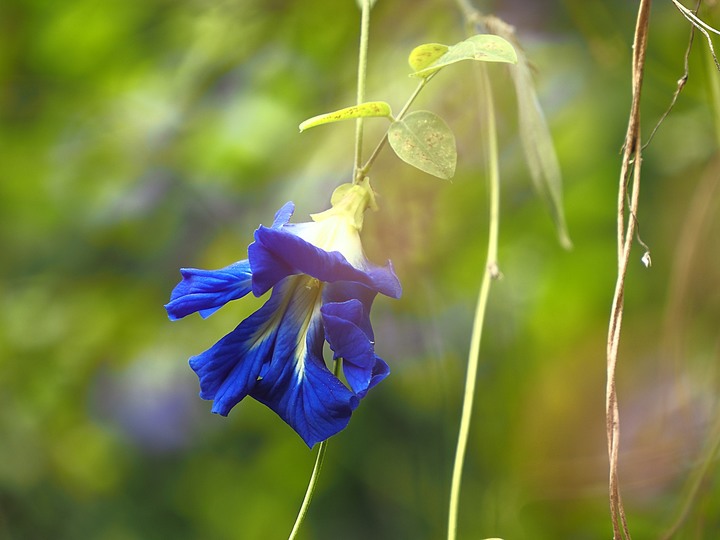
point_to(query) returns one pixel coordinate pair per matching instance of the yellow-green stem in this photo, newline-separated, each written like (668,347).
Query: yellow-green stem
(361,79)
(315,474)
(714,94)
(491,271)
(362,75)
(310,490)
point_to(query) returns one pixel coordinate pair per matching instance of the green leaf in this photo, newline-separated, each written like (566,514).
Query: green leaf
(482,47)
(535,136)
(539,149)
(425,54)
(364,110)
(423,140)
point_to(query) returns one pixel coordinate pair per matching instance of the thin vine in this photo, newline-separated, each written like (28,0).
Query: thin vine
(491,272)
(362,76)
(631,160)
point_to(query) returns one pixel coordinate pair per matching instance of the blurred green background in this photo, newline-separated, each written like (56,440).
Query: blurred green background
(138,137)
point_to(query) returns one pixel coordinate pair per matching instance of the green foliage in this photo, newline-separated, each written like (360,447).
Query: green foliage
(539,148)
(535,136)
(482,48)
(423,140)
(364,110)
(424,55)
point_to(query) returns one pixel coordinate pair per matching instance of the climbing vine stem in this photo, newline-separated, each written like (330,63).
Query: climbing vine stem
(491,272)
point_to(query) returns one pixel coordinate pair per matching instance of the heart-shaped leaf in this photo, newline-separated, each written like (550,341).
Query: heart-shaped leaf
(423,140)
(364,110)
(482,47)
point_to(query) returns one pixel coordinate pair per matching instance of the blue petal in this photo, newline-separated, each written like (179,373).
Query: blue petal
(343,330)
(296,383)
(276,254)
(283,215)
(275,356)
(342,291)
(380,371)
(229,370)
(207,291)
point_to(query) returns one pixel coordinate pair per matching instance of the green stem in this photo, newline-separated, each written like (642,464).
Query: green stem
(315,474)
(491,272)
(310,489)
(361,79)
(362,76)
(714,93)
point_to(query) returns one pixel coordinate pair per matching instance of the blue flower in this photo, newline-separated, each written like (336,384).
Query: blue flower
(322,290)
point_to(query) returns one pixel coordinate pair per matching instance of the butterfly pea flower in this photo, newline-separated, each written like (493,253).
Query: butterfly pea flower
(321,289)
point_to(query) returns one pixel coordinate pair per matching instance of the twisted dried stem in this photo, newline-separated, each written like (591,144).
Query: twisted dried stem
(626,225)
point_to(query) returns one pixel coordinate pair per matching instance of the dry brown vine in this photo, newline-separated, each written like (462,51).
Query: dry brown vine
(631,161)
